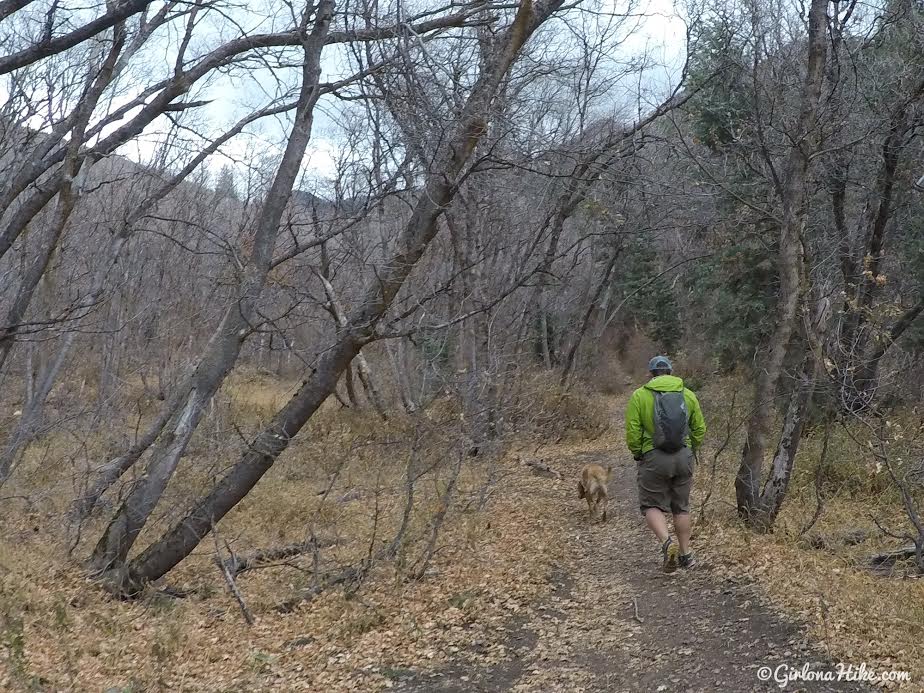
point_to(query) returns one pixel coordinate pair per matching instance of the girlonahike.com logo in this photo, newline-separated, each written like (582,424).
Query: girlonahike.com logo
(784,674)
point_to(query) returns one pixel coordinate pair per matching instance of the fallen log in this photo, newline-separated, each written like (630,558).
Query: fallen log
(890,558)
(349,574)
(239,564)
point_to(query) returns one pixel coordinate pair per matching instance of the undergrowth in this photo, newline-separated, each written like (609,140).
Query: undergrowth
(841,509)
(458,557)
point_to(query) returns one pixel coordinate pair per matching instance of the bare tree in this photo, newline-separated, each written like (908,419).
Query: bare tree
(239,319)
(449,162)
(48,44)
(792,196)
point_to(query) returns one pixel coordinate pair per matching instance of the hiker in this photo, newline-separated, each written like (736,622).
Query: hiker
(664,428)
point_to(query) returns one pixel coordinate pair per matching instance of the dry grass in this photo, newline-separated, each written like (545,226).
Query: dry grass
(821,577)
(342,480)
(73,638)
(856,615)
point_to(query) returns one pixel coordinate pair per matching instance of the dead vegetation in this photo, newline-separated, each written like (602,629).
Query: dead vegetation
(349,589)
(843,513)
(375,546)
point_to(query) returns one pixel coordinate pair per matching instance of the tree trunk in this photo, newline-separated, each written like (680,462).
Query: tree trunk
(67,196)
(545,338)
(224,347)
(460,235)
(749,473)
(351,387)
(362,366)
(46,250)
(54,150)
(74,161)
(113,470)
(571,358)
(439,190)
(777,484)
(396,356)
(29,425)
(866,381)
(861,265)
(50,375)
(789,263)
(109,473)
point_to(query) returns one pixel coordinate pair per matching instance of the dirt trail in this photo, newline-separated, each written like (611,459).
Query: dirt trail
(694,631)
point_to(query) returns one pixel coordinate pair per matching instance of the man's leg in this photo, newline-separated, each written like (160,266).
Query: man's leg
(682,528)
(680,504)
(657,522)
(654,500)
(654,494)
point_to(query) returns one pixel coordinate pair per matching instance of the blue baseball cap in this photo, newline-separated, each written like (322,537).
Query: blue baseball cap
(659,363)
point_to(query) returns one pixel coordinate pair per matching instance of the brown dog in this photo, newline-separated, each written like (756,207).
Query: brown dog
(592,486)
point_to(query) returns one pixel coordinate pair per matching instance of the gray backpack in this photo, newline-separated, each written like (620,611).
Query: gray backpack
(671,421)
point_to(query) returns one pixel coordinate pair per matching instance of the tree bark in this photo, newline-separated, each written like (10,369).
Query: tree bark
(861,265)
(29,425)
(350,385)
(396,356)
(545,338)
(571,358)
(116,14)
(451,158)
(362,366)
(777,483)
(8,7)
(789,263)
(115,468)
(224,347)
(67,197)
(162,97)
(868,371)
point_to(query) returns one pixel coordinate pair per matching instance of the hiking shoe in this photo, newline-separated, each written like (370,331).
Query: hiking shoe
(669,552)
(687,561)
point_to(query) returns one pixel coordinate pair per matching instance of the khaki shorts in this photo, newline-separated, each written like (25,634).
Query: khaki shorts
(664,480)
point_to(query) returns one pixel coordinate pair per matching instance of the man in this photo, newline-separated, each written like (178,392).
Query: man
(664,428)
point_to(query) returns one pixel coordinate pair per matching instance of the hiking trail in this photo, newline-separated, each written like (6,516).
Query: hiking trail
(614,622)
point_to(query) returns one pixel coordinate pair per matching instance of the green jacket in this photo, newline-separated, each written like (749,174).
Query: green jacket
(640,415)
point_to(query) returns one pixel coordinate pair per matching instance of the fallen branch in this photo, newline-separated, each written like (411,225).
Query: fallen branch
(239,564)
(888,558)
(229,579)
(539,467)
(351,574)
(635,605)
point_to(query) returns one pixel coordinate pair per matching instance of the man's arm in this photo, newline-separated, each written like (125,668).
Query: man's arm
(697,423)
(634,426)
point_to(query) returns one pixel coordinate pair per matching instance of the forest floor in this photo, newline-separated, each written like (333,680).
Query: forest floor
(527,595)
(615,622)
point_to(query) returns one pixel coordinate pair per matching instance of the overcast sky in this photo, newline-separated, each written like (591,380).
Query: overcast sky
(657,32)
